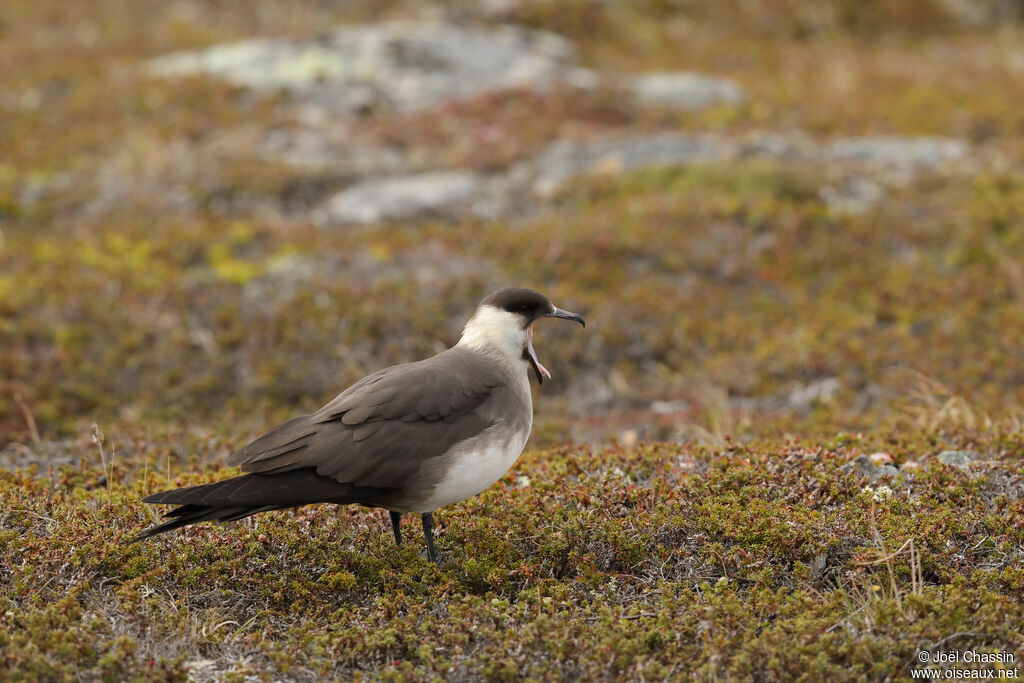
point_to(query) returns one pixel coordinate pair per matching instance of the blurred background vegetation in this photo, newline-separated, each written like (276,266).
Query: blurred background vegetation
(845,251)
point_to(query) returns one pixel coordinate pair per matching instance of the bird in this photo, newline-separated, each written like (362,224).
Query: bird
(409,438)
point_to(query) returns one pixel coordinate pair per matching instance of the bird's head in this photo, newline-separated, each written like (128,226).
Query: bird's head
(503,324)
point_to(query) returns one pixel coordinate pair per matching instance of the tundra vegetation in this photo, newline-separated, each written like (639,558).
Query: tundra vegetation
(789,444)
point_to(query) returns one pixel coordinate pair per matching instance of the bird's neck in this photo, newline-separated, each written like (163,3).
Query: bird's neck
(495,332)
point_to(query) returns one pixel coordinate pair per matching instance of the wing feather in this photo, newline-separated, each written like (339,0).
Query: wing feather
(378,432)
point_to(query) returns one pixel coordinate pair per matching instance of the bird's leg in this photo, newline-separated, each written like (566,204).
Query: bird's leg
(396,520)
(428,531)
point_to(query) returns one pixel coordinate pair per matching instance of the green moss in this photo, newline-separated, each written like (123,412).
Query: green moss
(764,560)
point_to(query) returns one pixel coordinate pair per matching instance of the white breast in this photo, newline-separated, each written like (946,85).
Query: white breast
(475,465)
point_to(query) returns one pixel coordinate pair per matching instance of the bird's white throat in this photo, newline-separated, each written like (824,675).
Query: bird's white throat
(495,330)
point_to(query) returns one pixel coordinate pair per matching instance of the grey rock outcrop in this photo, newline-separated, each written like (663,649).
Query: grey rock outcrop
(400,197)
(862,466)
(563,160)
(400,65)
(897,151)
(684,90)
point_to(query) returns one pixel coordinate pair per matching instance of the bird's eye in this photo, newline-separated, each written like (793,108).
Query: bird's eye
(524,308)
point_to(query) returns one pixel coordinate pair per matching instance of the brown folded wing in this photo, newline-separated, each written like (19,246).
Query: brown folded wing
(380,431)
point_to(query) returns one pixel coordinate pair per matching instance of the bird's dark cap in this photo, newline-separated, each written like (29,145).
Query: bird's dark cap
(527,302)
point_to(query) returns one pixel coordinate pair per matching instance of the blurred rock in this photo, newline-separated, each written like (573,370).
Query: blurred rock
(960,459)
(863,467)
(400,65)
(791,146)
(897,151)
(563,160)
(16,455)
(684,90)
(853,196)
(400,197)
(670,407)
(806,396)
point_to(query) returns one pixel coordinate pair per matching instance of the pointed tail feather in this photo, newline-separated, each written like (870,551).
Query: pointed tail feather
(193,514)
(239,497)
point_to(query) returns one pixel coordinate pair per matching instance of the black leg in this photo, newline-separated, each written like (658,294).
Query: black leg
(428,531)
(396,520)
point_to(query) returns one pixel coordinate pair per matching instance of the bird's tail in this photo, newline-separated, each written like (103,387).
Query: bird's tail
(193,514)
(239,497)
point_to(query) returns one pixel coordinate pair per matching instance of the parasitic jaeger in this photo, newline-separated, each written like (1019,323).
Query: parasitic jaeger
(409,438)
